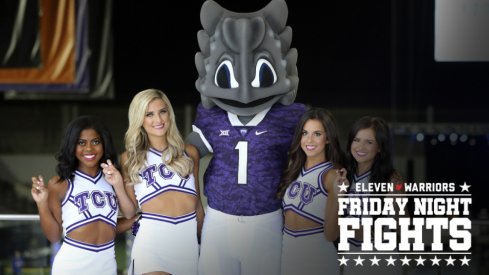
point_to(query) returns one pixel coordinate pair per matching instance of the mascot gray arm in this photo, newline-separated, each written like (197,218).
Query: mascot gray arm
(194,139)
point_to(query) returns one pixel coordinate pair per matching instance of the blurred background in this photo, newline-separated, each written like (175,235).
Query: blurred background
(423,65)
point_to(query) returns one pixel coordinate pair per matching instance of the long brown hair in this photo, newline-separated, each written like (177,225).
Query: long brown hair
(382,168)
(297,157)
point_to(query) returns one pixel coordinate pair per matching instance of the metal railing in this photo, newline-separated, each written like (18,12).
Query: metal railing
(15,217)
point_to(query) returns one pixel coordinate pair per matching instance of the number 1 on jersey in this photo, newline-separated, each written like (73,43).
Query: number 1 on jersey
(242,148)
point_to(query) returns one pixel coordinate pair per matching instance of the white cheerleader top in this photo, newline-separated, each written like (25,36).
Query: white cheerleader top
(156,178)
(307,196)
(88,199)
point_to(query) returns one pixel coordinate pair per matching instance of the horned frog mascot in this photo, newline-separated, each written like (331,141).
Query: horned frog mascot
(248,83)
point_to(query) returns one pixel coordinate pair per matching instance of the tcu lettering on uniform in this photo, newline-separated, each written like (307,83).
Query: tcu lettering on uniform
(98,198)
(306,191)
(148,173)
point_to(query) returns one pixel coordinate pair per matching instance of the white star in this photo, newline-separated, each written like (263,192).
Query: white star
(450,260)
(359,261)
(420,261)
(343,187)
(343,261)
(435,261)
(375,261)
(390,261)
(405,261)
(465,261)
(465,187)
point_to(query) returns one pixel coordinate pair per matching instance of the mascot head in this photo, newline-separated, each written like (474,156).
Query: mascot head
(245,63)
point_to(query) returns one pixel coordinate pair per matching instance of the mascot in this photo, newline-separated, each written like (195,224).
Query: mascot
(247,83)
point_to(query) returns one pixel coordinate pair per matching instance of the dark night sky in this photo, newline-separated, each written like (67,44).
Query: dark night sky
(347,57)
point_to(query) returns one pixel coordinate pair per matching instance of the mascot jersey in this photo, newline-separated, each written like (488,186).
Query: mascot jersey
(243,176)
(88,199)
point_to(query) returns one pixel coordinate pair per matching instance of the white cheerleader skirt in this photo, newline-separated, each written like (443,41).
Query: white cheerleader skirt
(75,257)
(308,252)
(167,244)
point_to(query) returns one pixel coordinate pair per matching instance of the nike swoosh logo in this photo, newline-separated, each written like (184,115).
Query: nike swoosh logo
(259,133)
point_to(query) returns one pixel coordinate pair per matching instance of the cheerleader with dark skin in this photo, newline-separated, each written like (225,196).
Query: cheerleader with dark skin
(87,143)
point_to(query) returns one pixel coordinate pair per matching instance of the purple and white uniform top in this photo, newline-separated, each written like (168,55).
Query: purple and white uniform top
(156,178)
(248,160)
(88,199)
(307,196)
(363,179)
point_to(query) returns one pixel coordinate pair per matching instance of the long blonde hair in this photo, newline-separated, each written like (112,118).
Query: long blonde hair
(137,142)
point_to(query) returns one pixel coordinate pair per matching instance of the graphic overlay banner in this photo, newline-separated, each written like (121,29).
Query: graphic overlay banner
(436,233)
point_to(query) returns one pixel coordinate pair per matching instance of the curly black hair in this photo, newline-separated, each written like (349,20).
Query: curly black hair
(66,157)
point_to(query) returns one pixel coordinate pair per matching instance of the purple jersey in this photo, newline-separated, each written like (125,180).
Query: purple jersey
(243,176)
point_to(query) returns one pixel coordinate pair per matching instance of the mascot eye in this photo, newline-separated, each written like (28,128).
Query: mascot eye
(224,77)
(265,75)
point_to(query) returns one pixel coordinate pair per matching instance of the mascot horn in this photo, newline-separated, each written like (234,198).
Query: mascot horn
(246,63)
